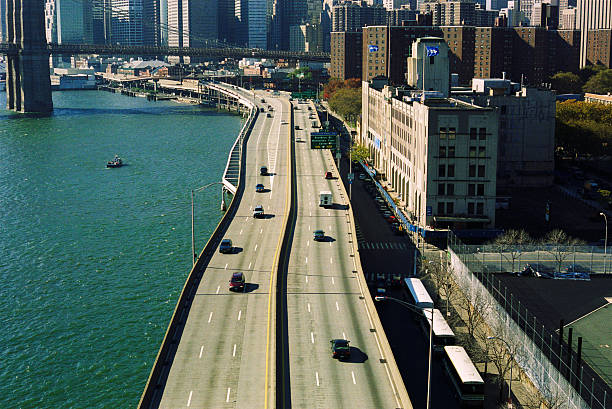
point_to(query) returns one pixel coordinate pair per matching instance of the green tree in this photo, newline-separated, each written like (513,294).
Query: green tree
(359,153)
(600,83)
(588,71)
(567,83)
(347,103)
(305,71)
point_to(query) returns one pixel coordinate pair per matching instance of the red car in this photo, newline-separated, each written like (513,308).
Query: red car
(237,282)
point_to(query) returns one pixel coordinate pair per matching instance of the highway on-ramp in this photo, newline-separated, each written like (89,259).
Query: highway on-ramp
(225,358)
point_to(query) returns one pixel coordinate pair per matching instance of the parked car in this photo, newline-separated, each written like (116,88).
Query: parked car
(340,348)
(362,176)
(226,246)
(319,235)
(237,282)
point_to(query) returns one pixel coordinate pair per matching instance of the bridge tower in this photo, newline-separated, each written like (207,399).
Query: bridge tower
(28,84)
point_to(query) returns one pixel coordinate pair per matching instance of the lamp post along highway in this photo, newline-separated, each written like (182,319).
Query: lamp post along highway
(195,256)
(417,310)
(605,240)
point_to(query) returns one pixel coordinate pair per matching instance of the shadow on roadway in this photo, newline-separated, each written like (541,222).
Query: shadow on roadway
(337,206)
(326,239)
(357,357)
(267,216)
(250,287)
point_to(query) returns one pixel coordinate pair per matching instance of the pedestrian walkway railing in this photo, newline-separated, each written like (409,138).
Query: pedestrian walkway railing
(553,366)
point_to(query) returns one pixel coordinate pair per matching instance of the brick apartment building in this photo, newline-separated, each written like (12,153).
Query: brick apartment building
(598,47)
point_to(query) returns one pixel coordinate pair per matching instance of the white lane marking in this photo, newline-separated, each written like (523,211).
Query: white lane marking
(234,353)
(306,260)
(330,227)
(308,307)
(331,261)
(353,375)
(226,265)
(239,314)
(201,350)
(249,265)
(270,195)
(218,288)
(333,280)
(189,400)
(256,247)
(312,337)
(330,244)
(337,307)
(309,227)
(317,376)
(343,335)
(240,231)
(306,278)
(228,393)
(261,231)
(310,213)
(210,317)
(308,243)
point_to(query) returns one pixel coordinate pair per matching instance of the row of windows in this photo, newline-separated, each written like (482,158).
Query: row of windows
(451,133)
(475,152)
(448,171)
(448,189)
(472,208)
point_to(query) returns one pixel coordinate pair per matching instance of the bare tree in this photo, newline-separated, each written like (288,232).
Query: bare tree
(547,398)
(560,246)
(510,244)
(501,351)
(474,307)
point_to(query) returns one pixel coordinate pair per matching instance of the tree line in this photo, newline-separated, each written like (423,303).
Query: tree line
(595,79)
(344,98)
(583,128)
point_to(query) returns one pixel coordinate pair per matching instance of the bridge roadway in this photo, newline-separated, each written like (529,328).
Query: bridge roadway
(221,358)
(227,355)
(325,298)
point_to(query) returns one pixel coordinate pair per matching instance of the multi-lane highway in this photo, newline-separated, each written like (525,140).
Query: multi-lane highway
(224,358)
(324,297)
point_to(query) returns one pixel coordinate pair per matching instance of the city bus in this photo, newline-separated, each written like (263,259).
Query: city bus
(416,293)
(443,335)
(468,383)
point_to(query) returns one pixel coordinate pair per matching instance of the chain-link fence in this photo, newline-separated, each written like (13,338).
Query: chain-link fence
(554,367)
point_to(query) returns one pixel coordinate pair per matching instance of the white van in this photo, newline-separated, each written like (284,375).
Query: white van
(325,198)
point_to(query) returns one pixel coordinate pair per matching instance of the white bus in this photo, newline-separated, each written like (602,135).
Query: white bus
(443,335)
(417,294)
(468,383)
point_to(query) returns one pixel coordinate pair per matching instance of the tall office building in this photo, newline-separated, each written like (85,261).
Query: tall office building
(251,23)
(591,15)
(68,22)
(101,15)
(126,22)
(151,22)
(191,23)
(225,17)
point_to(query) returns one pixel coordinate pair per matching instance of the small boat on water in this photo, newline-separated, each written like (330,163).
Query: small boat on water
(115,163)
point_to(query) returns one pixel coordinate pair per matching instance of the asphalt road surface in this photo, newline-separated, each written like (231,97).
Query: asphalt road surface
(221,361)
(323,296)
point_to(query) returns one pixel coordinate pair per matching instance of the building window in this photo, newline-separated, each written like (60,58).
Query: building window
(479,208)
(451,151)
(431,60)
(450,208)
(472,134)
(471,189)
(472,151)
(442,151)
(441,171)
(481,152)
(451,171)
(442,133)
(482,134)
(470,208)
(440,207)
(472,171)
(441,190)
(481,171)
(480,189)
(451,133)
(450,189)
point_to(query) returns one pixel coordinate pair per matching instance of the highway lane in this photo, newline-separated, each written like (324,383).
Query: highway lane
(323,298)
(221,358)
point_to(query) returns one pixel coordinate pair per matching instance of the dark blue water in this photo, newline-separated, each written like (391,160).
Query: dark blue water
(92,260)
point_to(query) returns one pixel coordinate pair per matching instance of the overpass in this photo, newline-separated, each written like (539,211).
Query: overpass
(269,345)
(28,84)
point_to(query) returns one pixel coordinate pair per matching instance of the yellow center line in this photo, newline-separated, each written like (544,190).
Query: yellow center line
(276,262)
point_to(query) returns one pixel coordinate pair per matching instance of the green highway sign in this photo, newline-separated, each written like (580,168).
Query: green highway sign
(323,140)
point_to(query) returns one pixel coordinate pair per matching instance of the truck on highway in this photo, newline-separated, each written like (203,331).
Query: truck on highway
(325,198)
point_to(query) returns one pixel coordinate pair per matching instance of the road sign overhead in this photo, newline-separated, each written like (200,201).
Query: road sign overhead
(323,140)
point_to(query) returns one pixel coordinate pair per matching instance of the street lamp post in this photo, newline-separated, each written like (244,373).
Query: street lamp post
(417,309)
(605,240)
(195,256)
(511,362)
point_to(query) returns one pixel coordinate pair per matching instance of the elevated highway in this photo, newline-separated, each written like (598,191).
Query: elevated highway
(269,346)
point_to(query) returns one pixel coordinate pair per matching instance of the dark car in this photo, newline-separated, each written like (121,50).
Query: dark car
(340,348)
(297,127)
(237,282)
(263,171)
(319,235)
(259,188)
(258,212)
(269,115)
(537,270)
(328,175)
(226,246)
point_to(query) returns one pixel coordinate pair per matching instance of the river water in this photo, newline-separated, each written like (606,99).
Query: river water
(92,260)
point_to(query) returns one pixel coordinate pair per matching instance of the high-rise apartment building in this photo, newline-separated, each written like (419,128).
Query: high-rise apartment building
(346,54)
(599,50)
(355,16)
(567,18)
(591,15)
